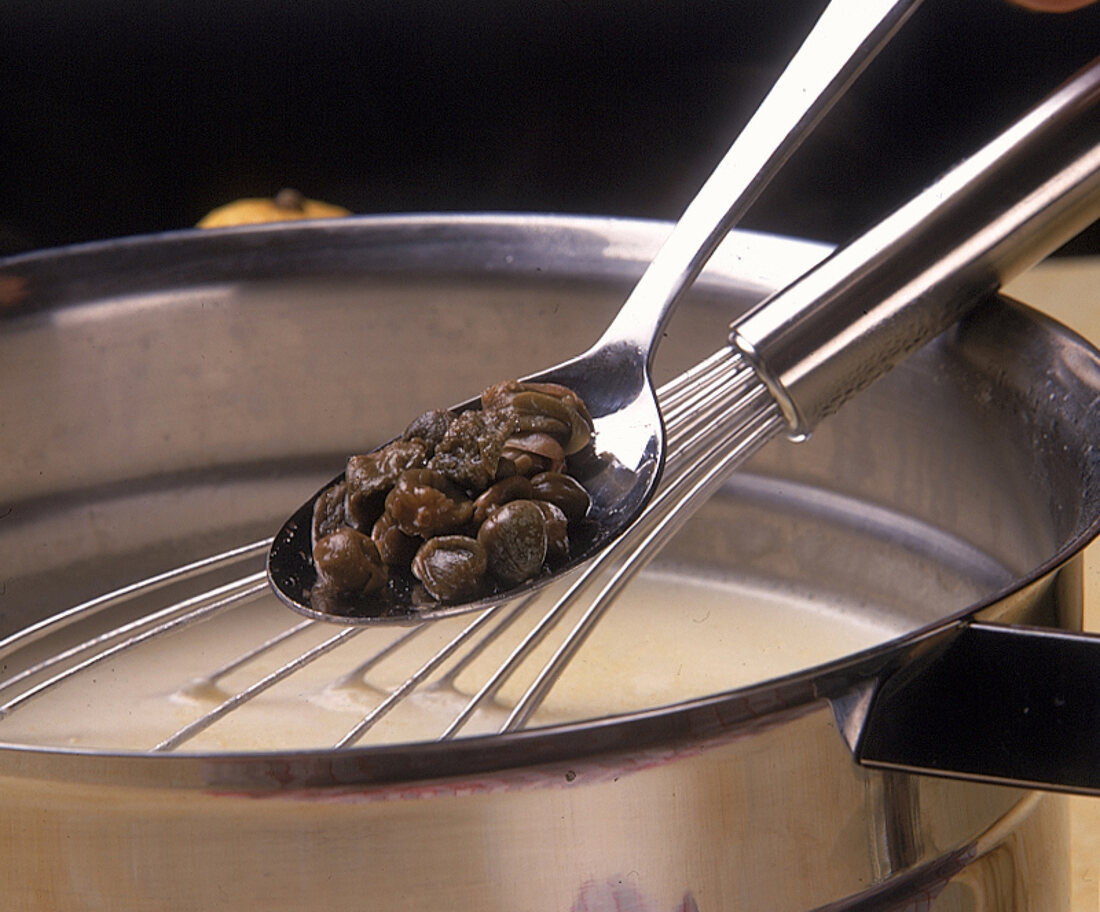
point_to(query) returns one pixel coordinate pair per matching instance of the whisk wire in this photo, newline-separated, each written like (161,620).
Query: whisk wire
(416,678)
(644,540)
(255,689)
(182,614)
(53,623)
(742,396)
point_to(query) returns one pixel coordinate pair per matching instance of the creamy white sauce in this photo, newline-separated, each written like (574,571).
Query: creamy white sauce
(665,639)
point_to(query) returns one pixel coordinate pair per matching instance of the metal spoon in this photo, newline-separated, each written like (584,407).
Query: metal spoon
(613,376)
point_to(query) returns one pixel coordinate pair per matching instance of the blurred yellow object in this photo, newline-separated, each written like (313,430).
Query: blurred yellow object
(286,205)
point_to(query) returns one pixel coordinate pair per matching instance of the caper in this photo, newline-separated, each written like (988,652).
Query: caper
(514,538)
(431,426)
(580,433)
(348,561)
(564,393)
(516,487)
(328,511)
(370,477)
(425,502)
(535,453)
(451,567)
(530,402)
(329,600)
(538,408)
(557,532)
(394,547)
(499,395)
(505,468)
(471,449)
(564,491)
(505,392)
(543,424)
(559,417)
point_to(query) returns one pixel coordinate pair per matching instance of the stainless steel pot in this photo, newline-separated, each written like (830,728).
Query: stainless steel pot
(167,396)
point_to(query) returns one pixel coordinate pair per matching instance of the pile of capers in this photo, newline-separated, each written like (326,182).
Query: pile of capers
(461,506)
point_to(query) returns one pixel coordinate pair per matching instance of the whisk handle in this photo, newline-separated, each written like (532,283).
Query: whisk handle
(873,302)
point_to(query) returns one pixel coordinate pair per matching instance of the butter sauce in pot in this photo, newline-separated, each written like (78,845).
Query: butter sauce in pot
(672,637)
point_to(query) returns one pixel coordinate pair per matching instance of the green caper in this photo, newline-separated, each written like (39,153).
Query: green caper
(534,453)
(515,487)
(422,496)
(370,477)
(514,538)
(394,547)
(543,424)
(425,502)
(552,399)
(348,561)
(580,433)
(554,414)
(557,532)
(470,451)
(430,427)
(561,392)
(564,491)
(499,395)
(505,469)
(328,511)
(505,393)
(451,567)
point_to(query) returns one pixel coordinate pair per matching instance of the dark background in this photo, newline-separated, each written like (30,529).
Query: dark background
(119,117)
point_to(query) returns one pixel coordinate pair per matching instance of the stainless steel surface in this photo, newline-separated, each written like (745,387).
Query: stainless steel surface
(999,212)
(140,366)
(1064,288)
(613,376)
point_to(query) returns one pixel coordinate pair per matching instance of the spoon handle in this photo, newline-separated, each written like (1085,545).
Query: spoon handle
(842,42)
(865,308)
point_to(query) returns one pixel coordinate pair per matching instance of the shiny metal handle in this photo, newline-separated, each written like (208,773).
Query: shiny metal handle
(865,308)
(843,41)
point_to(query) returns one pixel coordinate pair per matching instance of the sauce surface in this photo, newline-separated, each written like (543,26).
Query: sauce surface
(666,639)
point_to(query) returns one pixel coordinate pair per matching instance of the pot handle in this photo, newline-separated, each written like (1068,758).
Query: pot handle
(995,703)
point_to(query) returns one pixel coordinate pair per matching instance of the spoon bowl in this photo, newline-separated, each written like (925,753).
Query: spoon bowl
(619,477)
